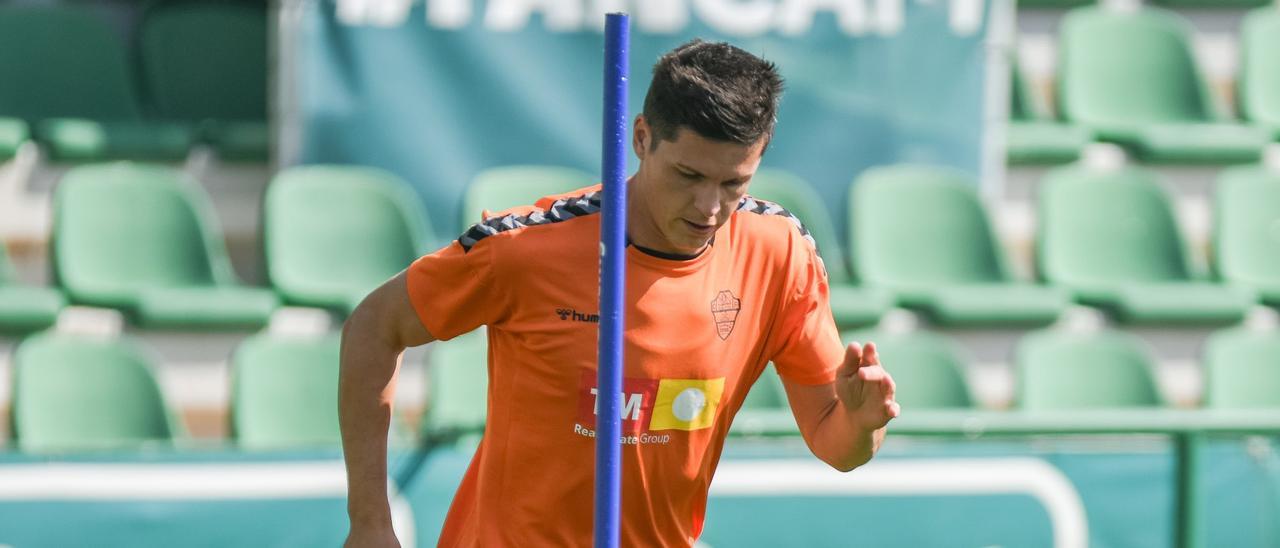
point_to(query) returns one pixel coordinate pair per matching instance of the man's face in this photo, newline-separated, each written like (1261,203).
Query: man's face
(687,187)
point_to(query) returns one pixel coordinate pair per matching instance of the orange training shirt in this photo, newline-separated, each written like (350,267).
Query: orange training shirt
(698,334)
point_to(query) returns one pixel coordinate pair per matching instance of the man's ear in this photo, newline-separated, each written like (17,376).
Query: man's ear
(640,136)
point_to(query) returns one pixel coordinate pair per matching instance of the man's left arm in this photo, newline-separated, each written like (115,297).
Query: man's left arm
(843,421)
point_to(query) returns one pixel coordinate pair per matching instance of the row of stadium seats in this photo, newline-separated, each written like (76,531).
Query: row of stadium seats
(1129,77)
(73,85)
(77,393)
(141,239)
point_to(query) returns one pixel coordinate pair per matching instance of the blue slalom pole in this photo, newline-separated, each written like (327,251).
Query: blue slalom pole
(613,230)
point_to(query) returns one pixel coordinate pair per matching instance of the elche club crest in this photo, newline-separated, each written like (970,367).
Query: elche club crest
(725,309)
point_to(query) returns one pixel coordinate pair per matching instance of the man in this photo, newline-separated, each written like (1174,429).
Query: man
(718,285)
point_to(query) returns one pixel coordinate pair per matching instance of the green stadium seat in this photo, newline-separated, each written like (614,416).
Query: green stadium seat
(1247,236)
(851,305)
(767,394)
(458,385)
(1112,238)
(25,309)
(13,134)
(75,394)
(923,233)
(144,239)
(206,63)
(1052,4)
(334,233)
(82,140)
(927,368)
(1217,4)
(1059,370)
(1242,369)
(1258,88)
(284,392)
(1032,137)
(1042,142)
(1131,78)
(500,188)
(75,87)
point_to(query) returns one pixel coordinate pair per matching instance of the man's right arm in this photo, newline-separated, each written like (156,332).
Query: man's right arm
(373,338)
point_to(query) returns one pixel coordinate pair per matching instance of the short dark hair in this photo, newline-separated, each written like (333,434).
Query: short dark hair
(715,89)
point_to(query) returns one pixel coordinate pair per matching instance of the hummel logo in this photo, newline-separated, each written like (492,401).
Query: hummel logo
(569,313)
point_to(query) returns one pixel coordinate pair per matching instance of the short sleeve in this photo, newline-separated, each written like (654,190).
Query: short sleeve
(809,350)
(454,290)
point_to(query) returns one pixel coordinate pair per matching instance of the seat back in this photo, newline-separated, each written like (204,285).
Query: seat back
(798,196)
(284,392)
(1242,369)
(1258,89)
(1108,228)
(336,232)
(500,188)
(1247,236)
(918,225)
(123,227)
(1127,68)
(767,393)
(458,384)
(206,60)
(927,369)
(1022,104)
(62,61)
(1064,370)
(74,393)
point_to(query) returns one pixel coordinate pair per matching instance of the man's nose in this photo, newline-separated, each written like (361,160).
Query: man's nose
(707,200)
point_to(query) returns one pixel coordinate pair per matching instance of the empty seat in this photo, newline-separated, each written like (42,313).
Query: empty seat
(458,385)
(768,392)
(1131,78)
(1113,239)
(13,134)
(922,233)
(1059,370)
(284,392)
(1258,88)
(1242,369)
(144,239)
(1032,137)
(24,308)
(851,305)
(334,233)
(500,188)
(74,393)
(67,75)
(1247,236)
(927,368)
(206,63)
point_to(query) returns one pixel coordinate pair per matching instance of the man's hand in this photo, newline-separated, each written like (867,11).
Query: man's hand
(865,388)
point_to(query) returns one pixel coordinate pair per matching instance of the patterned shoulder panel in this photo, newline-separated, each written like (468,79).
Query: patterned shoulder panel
(760,207)
(560,210)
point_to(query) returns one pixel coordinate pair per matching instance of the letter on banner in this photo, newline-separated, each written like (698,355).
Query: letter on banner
(650,16)
(377,13)
(888,15)
(795,17)
(448,14)
(736,17)
(510,15)
(966,16)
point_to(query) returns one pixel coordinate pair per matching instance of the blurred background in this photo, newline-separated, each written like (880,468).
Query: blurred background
(1059,220)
